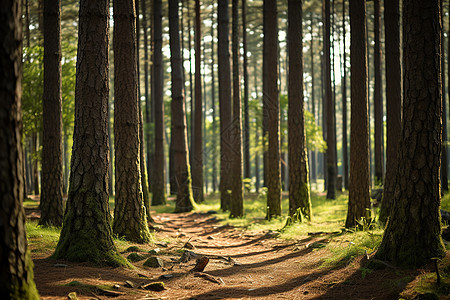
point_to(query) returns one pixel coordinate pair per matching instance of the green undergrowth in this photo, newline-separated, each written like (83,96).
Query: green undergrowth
(41,239)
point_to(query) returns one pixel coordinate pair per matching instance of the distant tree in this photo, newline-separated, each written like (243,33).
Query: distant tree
(182,173)
(86,234)
(299,198)
(273,110)
(393,102)
(378,97)
(51,204)
(245,95)
(213,115)
(413,233)
(237,189)
(197,139)
(329,106)
(344,102)
(224,104)
(16,267)
(358,200)
(130,218)
(159,190)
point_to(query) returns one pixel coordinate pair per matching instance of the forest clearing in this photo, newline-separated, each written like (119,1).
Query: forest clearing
(189,149)
(248,258)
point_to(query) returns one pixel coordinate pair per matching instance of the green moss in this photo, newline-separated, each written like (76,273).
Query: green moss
(83,240)
(133,249)
(24,289)
(135,257)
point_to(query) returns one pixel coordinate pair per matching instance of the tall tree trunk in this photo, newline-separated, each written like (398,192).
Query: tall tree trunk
(299,198)
(413,233)
(16,267)
(130,218)
(159,191)
(273,110)
(329,106)
(313,158)
(213,125)
(344,103)
(66,164)
(265,113)
(246,83)
(237,189)
(444,165)
(378,98)
(225,105)
(86,234)
(358,200)
(51,204)
(393,102)
(197,139)
(182,171)
(257,136)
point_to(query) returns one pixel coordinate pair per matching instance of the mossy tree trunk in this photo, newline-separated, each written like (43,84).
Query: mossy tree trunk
(237,189)
(16,267)
(273,111)
(413,233)
(159,182)
(225,108)
(130,219)
(299,198)
(393,102)
(86,234)
(358,200)
(51,204)
(182,172)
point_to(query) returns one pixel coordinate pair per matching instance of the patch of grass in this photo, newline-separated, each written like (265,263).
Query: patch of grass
(445,201)
(350,245)
(41,239)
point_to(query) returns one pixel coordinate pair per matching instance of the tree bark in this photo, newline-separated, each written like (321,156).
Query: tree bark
(130,219)
(299,197)
(86,234)
(393,102)
(159,191)
(246,84)
(273,110)
(329,106)
(197,145)
(444,165)
(16,267)
(237,189)
(182,172)
(378,98)
(358,200)
(51,204)
(214,123)
(413,234)
(224,105)
(344,103)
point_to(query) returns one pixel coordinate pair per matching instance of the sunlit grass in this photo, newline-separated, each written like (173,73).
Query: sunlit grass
(41,239)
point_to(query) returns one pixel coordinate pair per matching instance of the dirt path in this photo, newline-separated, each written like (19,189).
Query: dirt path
(244,264)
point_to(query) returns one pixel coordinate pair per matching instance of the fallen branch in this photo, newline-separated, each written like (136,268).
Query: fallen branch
(208,277)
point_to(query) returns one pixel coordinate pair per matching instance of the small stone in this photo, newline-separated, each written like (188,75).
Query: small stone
(154,286)
(116,286)
(133,249)
(210,237)
(154,251)
(166,276)
(129,284)
(135,257)
(154,262)
(60,266)
(72,296)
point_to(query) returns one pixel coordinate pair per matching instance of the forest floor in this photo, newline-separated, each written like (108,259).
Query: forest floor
(242,264)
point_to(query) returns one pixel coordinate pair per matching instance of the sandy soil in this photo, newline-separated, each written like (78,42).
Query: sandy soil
(242,265)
